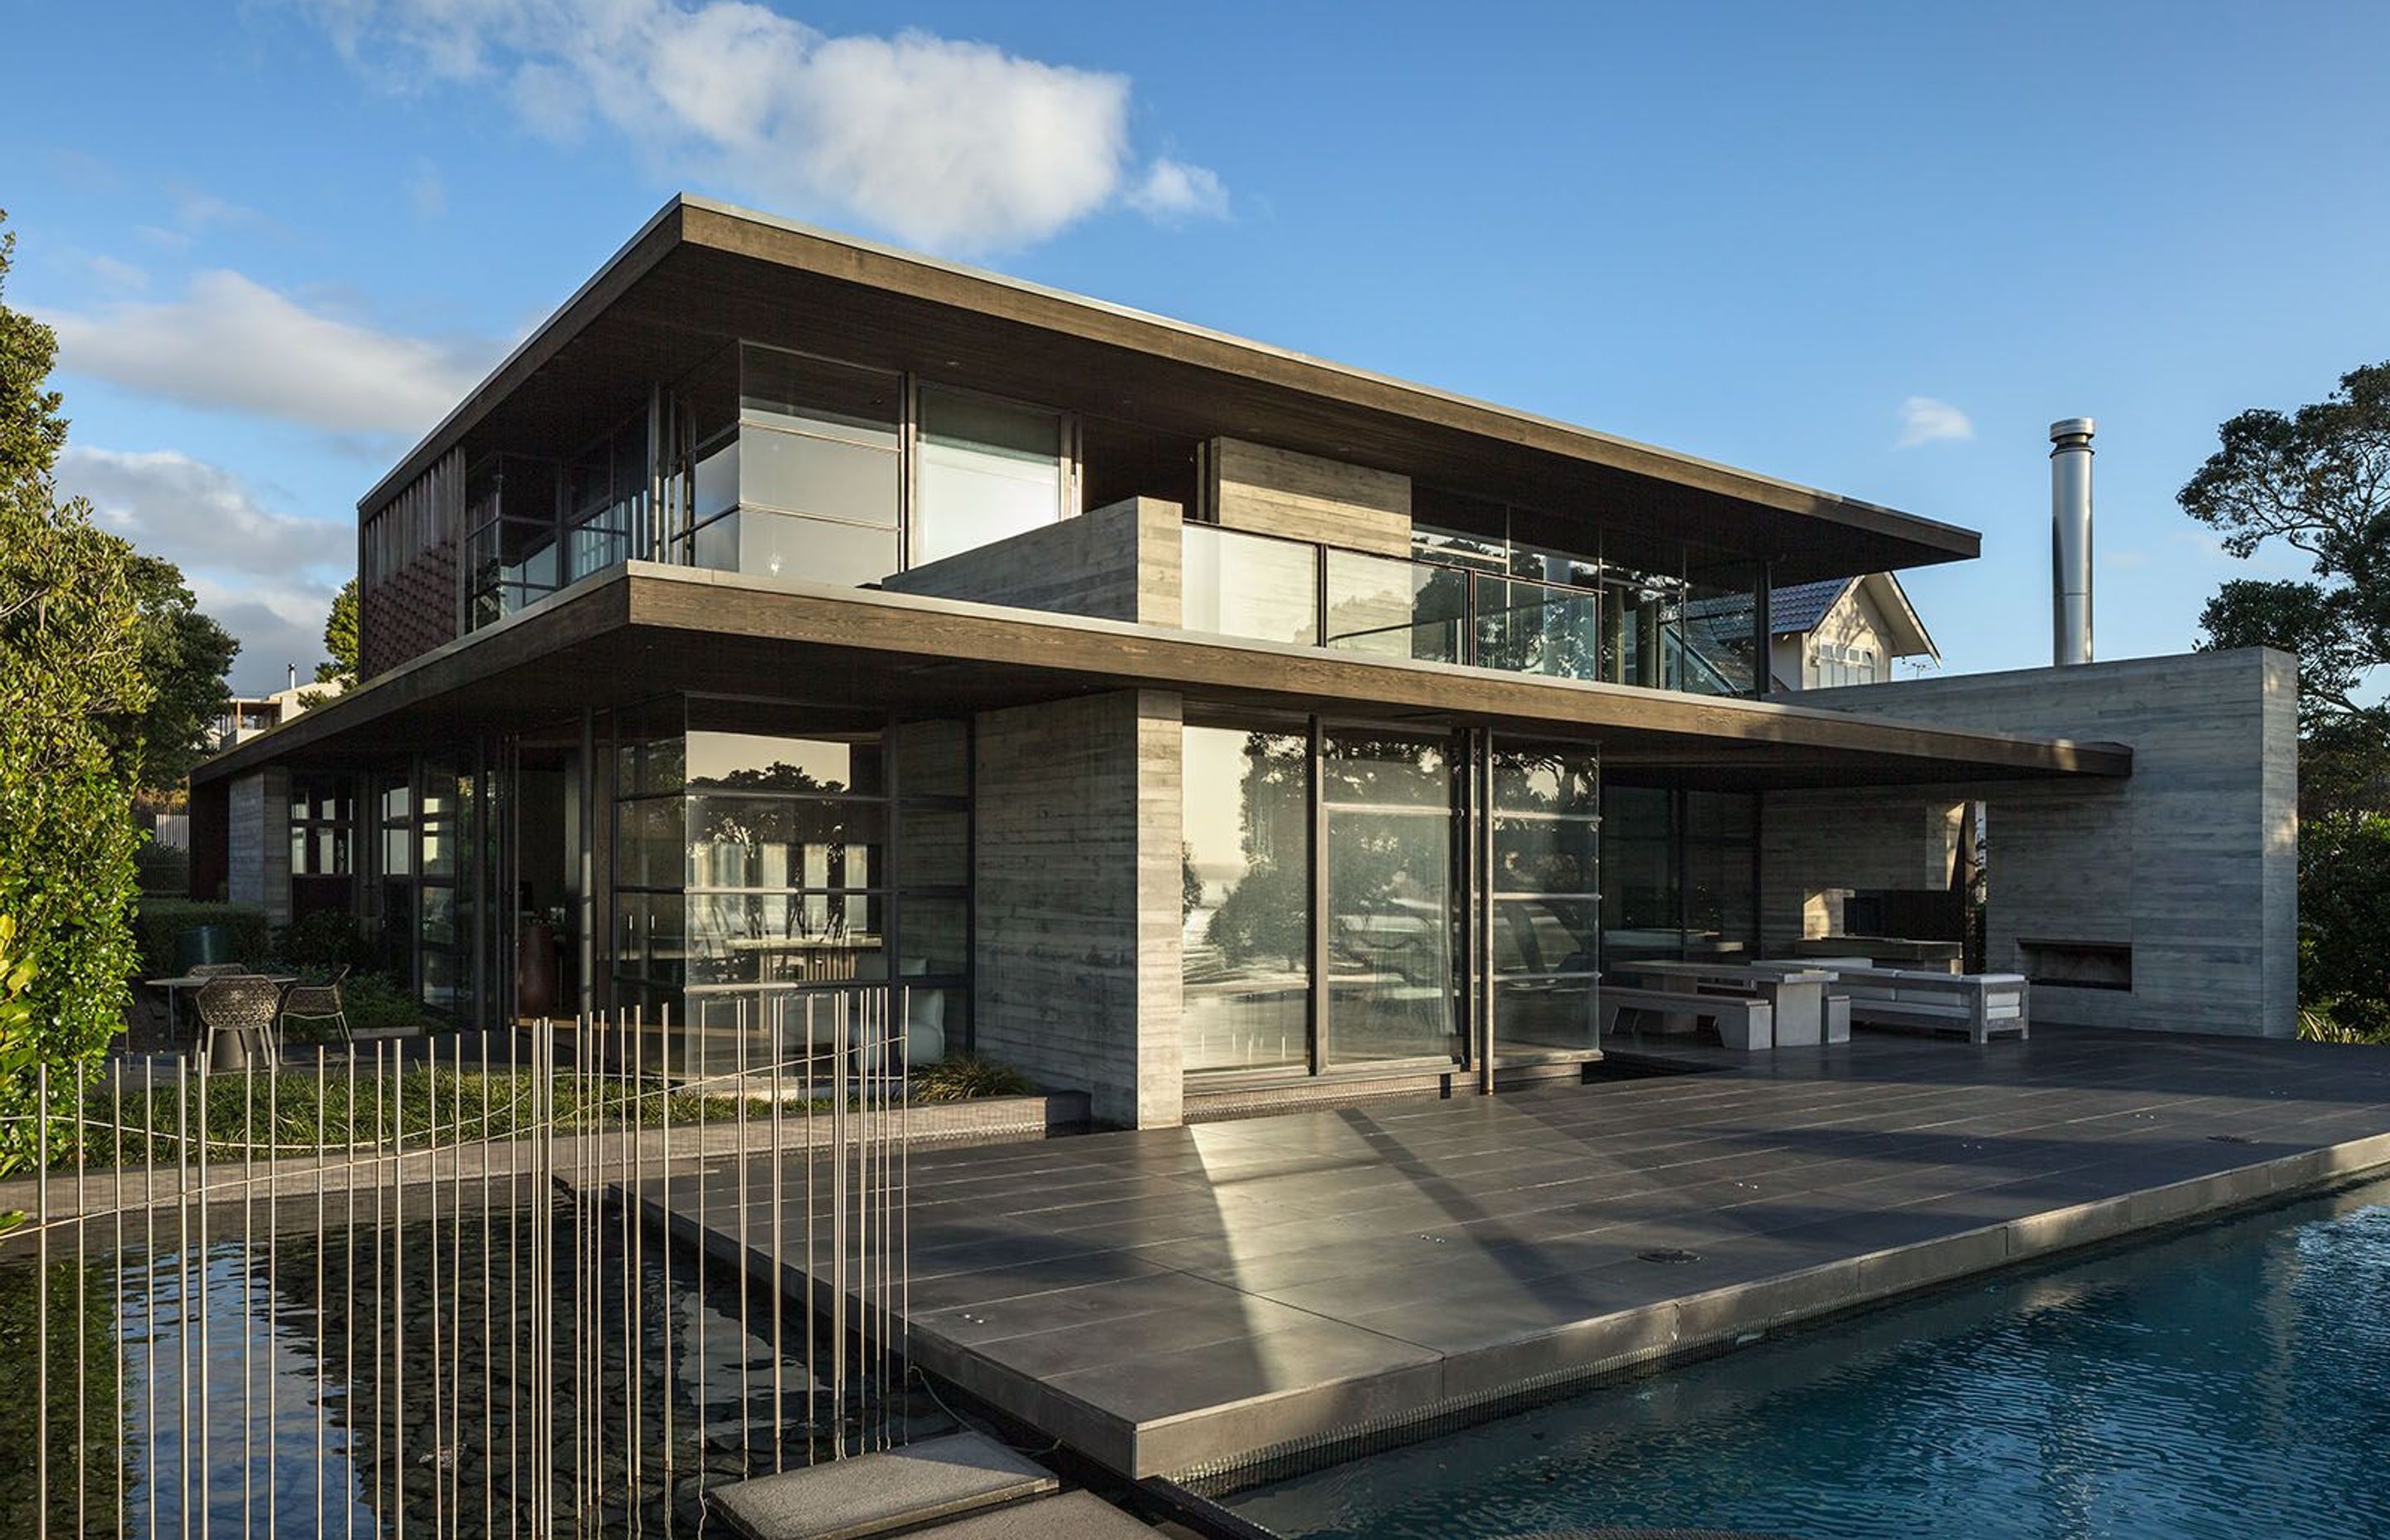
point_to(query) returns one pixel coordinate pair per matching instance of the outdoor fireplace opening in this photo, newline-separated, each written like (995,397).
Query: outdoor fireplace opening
(2077,963)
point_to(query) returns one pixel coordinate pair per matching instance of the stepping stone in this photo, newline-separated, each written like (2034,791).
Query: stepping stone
(937,1478)
(1077,1516)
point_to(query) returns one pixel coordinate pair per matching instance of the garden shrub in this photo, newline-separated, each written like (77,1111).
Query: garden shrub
(162,869)
(324,943)
(160,921)
(373,1003)
(968,1078)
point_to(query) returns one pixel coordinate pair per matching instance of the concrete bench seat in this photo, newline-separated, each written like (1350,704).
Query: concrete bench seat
(1743,1021)
(1977,1004)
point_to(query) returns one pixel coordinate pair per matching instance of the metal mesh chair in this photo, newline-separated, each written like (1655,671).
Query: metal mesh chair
(243,1005)
(319,1004)
(216,970)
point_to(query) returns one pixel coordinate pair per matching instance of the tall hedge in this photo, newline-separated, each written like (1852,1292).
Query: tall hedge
(69,674)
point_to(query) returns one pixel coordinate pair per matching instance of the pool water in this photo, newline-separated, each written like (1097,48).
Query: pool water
(2224,1381)
(345,1427)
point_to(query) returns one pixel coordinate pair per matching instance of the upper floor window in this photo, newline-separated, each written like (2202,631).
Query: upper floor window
(1836,663)
(988,469)
(807,481)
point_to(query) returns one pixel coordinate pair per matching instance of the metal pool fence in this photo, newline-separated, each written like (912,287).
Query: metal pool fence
(556,1282)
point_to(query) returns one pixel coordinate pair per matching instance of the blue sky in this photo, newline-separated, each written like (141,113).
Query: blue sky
(1873,248)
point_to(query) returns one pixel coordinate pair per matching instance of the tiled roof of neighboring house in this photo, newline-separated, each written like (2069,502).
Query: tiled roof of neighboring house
(1800,606)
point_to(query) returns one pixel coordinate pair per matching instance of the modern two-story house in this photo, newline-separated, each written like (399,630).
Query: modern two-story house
(1181,719)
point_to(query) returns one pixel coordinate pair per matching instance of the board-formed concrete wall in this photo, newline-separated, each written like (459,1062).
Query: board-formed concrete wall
(258,834)
(2192,861)
(1120,562)
(1078,861)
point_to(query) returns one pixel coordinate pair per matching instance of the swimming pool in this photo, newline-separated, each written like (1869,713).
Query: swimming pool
(2228,1380)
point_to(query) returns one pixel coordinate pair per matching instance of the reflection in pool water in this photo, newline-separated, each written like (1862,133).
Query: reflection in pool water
(334,1336)
(2224,1381)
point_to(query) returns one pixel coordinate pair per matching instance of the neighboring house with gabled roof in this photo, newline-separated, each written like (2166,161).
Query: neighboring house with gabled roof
(1841,631)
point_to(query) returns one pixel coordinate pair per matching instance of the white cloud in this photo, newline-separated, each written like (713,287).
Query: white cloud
(1173,190)
(200,516)
(944,143)
(266,577)
(232,343)
(1925,420)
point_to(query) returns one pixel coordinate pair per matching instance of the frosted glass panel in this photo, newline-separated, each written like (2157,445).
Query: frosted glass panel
(989,471)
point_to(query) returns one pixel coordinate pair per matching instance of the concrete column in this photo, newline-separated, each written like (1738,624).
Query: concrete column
(1076,863)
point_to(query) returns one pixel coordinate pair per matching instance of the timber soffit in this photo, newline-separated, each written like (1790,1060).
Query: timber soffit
(688,220)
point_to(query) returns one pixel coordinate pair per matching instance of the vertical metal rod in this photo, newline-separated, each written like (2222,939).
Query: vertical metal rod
(905,1222)
(738,1051)
(664,1187)
(82,1134)
(813,1281)
(456,1290)
(636,1262)
(149,1291)
(323,1238)
(516,1218)
(779,1286)
(199,1262)
(489,1340)
(182,1298)
(432,1274)
(698,1358)
(381,1280)
(398,1287)
(839,1027)
(272,1258)
(42,1300)
(116,1167)
(626,1197)
(247,1286)
(349,1293)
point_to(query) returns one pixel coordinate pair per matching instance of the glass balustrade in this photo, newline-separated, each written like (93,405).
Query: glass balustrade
(1271,589)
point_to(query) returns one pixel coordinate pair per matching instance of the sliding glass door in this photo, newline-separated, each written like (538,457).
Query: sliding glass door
(1544,903)
(1390,907)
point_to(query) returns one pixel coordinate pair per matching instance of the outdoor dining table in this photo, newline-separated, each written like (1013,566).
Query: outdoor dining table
(1796,992)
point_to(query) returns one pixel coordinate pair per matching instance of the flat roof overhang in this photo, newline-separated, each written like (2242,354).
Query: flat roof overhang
(700,274)
(646,630)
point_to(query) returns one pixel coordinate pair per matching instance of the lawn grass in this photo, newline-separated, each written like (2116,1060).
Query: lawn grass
(262,1115)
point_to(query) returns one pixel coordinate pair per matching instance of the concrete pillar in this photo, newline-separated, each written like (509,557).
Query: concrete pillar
(1076,868)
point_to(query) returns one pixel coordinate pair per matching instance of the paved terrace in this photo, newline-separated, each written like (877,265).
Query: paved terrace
(1181,1300)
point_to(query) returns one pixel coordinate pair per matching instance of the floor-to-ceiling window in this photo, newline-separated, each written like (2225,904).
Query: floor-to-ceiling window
(1545,922)
(1245,899)
(764,852)
(1386,847)
(986,469)
(800,474)
(1678,873)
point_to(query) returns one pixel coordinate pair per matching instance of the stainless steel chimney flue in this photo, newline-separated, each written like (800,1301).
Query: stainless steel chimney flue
(2069,541)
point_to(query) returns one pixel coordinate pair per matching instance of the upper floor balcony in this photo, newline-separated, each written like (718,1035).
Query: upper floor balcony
(780,464)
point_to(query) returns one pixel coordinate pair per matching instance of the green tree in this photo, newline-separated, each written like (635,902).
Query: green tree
(340,638)
(183,656)
(71,636)
(2343,913)
(2317,480)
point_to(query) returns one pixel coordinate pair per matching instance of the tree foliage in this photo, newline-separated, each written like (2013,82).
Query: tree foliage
(2317,480)
(71,637)
(340,638)
(2343,914)
(183,657)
